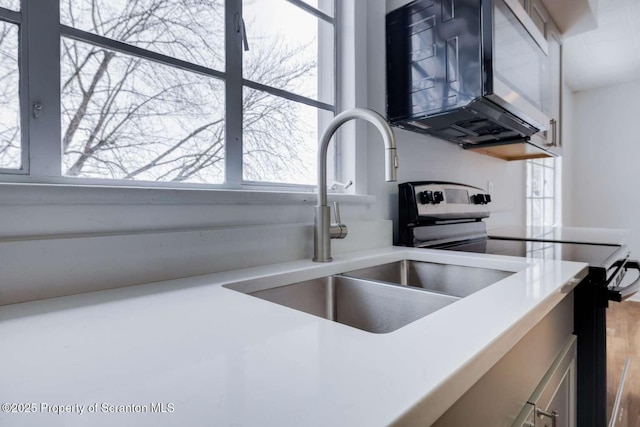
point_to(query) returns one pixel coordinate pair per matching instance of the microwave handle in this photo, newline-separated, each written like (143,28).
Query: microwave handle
(624,292)
(553,124)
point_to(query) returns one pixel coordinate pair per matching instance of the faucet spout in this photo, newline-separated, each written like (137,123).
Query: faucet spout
(324,231)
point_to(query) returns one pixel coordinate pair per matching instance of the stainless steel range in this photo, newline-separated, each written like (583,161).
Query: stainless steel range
(445,215)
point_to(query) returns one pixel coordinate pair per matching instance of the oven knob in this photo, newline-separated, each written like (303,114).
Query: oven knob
(478,199)
(438,197)
(426,197)
(487,198)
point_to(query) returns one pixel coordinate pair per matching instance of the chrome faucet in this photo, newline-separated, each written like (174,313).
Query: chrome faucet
(324,230)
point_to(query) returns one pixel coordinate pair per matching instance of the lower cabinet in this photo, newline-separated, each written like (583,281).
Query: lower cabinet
(553,403)
(524,388)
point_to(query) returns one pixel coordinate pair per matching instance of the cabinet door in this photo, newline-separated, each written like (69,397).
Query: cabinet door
(555,85)
(553,403)
(563,403)
(527,417)
(524,4)
(540,16)
(557,393)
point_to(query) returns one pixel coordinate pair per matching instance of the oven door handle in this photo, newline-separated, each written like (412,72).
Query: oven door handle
(626,292)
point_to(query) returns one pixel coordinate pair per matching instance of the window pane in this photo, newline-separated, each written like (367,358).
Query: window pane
(537,212)
(536,181)
(128,118)
(191,30)
(280,139)
(549,217)
(10,147)
(10,4)
(529,167)
(289,49)
(549,182)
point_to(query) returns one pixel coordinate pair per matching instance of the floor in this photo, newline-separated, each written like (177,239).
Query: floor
(623,341)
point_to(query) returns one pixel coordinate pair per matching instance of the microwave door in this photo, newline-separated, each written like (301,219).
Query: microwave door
(514,102)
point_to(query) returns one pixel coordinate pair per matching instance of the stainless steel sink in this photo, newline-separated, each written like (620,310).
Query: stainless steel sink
(370,306)
(453,280)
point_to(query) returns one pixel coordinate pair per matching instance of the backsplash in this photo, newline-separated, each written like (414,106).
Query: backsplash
(40,268)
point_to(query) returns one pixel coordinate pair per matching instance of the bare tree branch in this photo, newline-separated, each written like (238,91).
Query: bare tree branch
(130,118)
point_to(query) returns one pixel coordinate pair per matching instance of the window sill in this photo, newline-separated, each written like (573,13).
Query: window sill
(65,194)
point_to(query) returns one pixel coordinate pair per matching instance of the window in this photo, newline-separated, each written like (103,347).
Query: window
(10,126)
(297,57)
(542,192)
(543,206)
(172,91)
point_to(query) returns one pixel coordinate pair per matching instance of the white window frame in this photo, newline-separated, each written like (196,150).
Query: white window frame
(549,164)
(40,63)
(12,17)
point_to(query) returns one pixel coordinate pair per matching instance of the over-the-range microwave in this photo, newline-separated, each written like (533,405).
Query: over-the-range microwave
(474,72)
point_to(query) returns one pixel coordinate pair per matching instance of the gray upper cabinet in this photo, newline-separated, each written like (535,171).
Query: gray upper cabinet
(555,84)
(524,4)
(539,16)
(552,105)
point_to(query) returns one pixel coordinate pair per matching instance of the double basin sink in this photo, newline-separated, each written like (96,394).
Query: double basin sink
(382,298)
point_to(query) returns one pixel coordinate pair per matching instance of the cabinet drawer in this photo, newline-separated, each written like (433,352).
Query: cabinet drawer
(553,403)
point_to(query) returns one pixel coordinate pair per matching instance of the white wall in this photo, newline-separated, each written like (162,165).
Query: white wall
(426,158)
(606,149)
(57,241)
(567,165)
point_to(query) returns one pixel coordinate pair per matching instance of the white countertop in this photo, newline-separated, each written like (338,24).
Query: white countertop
(215,356)
(604,236)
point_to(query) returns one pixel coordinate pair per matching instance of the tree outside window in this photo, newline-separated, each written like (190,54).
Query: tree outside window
(143,90)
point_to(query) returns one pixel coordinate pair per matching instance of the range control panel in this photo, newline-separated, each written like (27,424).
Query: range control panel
(442,200)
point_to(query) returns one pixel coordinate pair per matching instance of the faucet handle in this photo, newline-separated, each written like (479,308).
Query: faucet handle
(338,230)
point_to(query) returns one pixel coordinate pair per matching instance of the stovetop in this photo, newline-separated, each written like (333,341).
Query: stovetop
(599,236)
(445,215)
(597,256)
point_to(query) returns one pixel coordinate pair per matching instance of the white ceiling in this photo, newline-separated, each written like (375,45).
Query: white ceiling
(611,53)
